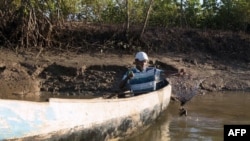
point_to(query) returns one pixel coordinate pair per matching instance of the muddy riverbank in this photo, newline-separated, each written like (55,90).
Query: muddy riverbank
(25,75)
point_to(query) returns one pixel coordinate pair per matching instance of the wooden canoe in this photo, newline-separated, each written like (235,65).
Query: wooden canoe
(81,119)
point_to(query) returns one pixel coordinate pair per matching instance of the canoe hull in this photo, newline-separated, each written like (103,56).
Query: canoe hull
(81,119)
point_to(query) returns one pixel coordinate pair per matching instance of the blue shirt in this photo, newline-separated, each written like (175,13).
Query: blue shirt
(144,81)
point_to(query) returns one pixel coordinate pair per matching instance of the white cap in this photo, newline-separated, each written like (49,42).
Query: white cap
(141,56)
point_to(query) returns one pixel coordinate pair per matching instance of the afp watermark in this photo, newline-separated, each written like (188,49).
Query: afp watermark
(237,132)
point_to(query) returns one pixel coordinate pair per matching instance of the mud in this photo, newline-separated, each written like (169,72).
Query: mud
(38,76)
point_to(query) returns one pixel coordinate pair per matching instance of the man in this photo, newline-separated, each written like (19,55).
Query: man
(141,78)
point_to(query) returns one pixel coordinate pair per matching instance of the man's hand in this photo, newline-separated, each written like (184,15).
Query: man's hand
(124,81)
(130,75)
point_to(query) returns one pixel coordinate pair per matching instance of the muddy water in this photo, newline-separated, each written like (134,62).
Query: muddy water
(206,116)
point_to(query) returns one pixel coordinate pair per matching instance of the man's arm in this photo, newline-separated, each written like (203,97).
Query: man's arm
(125,80)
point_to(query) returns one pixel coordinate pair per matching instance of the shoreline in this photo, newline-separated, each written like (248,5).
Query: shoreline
(28,73)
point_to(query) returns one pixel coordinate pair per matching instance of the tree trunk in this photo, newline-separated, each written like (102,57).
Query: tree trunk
(147,17)
(128,17)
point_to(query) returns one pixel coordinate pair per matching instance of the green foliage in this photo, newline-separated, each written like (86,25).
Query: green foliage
(113,12)
(192,13)
(138,11)
(234,15)
(228,14)
(209,12)
(165,13)
(31,16)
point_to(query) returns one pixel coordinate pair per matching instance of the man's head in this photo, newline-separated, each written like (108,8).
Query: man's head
(141,56)
(141,60)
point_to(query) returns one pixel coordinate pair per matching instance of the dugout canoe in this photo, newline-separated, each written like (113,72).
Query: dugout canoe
(81,119)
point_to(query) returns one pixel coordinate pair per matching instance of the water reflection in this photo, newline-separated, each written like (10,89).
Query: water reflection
(206,117)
